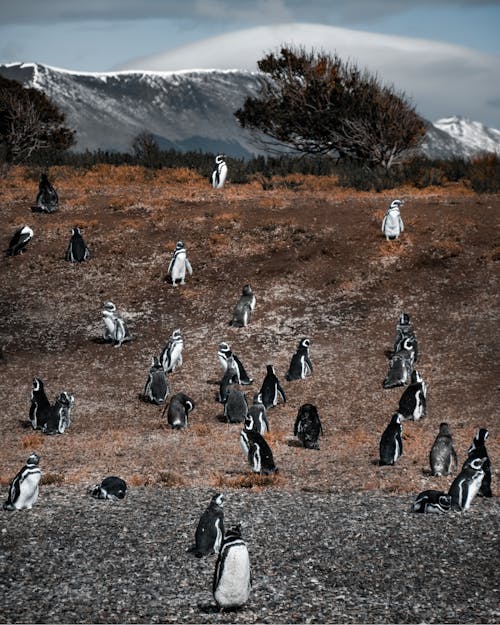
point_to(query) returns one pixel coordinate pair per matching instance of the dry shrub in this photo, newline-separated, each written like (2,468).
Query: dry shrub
(52,478)
(180,175)
(170,479)
(248,480)
(219,240)
(33,440)
(201,429)
(391,248)
(441,250)
(224,217)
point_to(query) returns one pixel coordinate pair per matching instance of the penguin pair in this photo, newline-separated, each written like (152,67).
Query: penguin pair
(115,328)
(401,365)
(392,224)
(47,199)
(171,356)
(442,457)
(300,365)
(77,250)
(224,354)
(210,529)
(413,401)
(308,427)
(391,441)
(179,264)
(156,388)
(257,452)
(271,389)
(23,490)
(112,488)
(232,580)
(179,407)
(43,416)
(242,313)
(20,239)
(219,175)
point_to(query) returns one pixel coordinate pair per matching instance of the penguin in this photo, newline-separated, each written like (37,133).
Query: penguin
(219,174)
(404,330)
(257,416)
(478,450)
(60,417)
(40,408)
(111,487)
(442,457)
(178,411)
(210,529)
(413,401)
(391,442)
(236,406)
(223,354)
(115,328)
(242,313)
(231,376)
(232,581)
(392,224)
(432,501)
(400,366)
(47,199)
(23,490)
(77,250)
(301,364)
(156,388)
(307,426)
(257,452)
(171,356)
(467,484)
(179,264)
(20,239)
(271,389)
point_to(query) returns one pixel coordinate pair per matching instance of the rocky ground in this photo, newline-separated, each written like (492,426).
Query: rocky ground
(320,268)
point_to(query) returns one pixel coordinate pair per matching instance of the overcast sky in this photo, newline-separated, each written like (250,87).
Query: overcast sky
(103,35)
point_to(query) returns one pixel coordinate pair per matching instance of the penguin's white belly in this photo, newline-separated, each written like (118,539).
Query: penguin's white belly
(179,267)
(392,226)
(233,588)
(474,486)
(109,327)
(28,491)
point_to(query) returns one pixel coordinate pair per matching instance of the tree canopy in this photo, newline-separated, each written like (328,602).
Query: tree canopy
(29,122)
(315,103)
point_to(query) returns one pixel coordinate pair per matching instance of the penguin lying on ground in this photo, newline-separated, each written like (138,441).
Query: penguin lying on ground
(47,199)
(20,239)
(77,250)
(179,264)
(391,442)
(478,450)
(232,579)
(467,484)
(115,328)
(171,356)
(243,310)
(23,490)
(210,530)
(307,426)
(111,487)
(432,501)
(301,364)
(178,411)
(442,457)
(156,388)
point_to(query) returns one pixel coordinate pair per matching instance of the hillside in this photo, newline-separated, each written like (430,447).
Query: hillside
(319,267)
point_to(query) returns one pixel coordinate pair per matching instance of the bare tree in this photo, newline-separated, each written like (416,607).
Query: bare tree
(146,149)
(315,103)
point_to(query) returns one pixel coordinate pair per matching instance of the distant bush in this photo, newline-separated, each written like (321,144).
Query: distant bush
(484,174)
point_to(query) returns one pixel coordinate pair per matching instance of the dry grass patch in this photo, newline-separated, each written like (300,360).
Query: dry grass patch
(247,480)
(33,440)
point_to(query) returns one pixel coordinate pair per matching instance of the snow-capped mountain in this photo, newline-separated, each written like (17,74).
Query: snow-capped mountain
(191,110)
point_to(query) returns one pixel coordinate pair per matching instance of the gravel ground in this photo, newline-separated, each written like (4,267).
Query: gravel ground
(339,558)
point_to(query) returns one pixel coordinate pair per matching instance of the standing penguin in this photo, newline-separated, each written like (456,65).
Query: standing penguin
(60,417)
(77,250)
(20,239)
(231,376)
(115,328)
(467,484)
(232,580)
(442,457)
(219,174)
(400,366)
(47,199)
(236,406)
(242,313)
(413,401)
(179,263)
(23,490)
(40,408)
(307,426)
(210,530)
(257,416)
(300,364)
(392,224)
(478,450)
(178,411)
(271,389)
(156,388)
(404,330)
(391,442)
(224,353)
(111,487)
(257,452)
(171,356)
(432,501)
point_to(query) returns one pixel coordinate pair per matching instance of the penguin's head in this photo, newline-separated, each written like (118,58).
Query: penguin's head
(270,369)
(224,347)
(218,499)
(305,343)
(476,463)
(396,203)
(416,378)
(66,399)
(444,429)
(233,532)
(248,422)
(444,502)
(219,159)
(33,459)
(397,418)
(257,398)
(37,384)
(27,230)
(247,290)
(176,334)
(109,307)
(188,405)
(75,230)
(404,319)
(180,245)
(482,435)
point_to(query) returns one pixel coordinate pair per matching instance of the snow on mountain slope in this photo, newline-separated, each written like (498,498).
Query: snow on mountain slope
(191,110)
